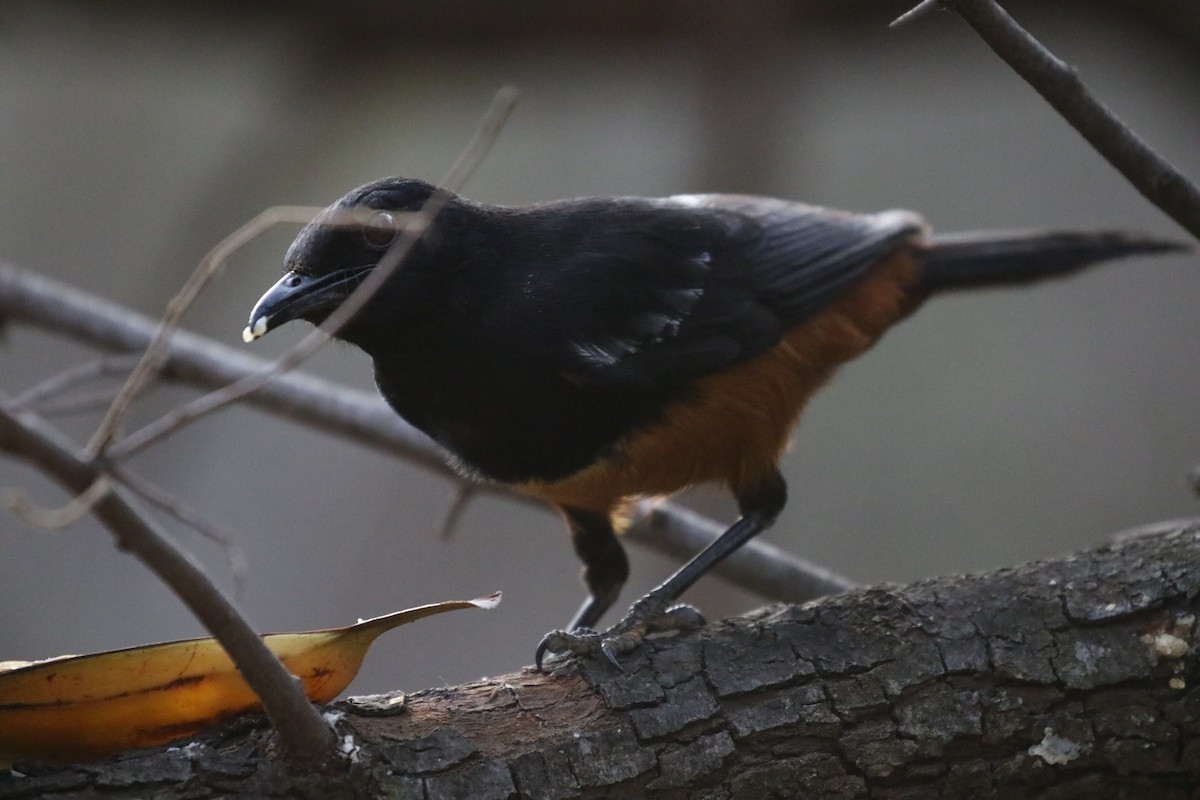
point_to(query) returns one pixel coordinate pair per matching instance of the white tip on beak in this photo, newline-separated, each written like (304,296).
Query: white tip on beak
(250,334)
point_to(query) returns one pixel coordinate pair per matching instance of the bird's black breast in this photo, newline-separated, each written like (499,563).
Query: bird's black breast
(512,424)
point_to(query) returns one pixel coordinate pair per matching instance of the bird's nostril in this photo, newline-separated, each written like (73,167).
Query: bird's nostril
(294,281)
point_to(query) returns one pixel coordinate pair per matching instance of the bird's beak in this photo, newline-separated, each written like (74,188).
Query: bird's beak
(297,296)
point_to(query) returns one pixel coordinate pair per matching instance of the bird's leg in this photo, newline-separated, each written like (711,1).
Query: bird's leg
(605,569)
(655,612)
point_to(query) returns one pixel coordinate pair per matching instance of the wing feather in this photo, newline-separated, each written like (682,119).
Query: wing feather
(723,288)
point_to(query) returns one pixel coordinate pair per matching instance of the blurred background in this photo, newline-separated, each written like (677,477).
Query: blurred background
(990,429)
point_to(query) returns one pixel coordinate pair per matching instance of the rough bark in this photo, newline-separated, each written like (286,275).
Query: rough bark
(1073,678)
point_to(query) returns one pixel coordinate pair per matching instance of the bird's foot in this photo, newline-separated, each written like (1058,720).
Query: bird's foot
(646,616)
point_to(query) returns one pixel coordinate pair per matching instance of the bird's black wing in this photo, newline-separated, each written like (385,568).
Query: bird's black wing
(702,282)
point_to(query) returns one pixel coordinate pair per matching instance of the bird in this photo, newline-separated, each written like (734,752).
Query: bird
(591,352)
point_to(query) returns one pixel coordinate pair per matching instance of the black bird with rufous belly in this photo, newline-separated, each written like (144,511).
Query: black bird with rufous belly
(590,352)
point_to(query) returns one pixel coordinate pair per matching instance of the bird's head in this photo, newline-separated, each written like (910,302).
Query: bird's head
(335,252)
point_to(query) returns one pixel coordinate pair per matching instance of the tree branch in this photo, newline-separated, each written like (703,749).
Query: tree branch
(215,532)
(306,737)
(60,382)
(364,418)
(1069,678)
(410,233)
(1060,85)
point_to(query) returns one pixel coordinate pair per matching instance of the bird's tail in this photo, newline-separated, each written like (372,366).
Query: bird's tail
(970,260)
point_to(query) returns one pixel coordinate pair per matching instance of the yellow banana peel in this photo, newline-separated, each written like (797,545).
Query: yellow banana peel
(74,708)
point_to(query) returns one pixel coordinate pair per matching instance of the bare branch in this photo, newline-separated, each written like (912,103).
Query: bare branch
(151,362)
(363,418)
(213,531)
(17,502)
(33,299)
(486,133)
(1060,85)
(918,11)
(60,382)
(76,403)
(463,495)
(146,369)
(481,142)
(306,736)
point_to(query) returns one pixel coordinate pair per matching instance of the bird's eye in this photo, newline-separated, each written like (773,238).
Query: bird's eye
(380,230)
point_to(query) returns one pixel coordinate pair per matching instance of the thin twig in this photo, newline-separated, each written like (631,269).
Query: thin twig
(463,496)
(148,366)
(918,11)
(76,403)
(307,738)
(17,502)
(61,381)
(215,532)
(504,101)
(485,136)
(145,370)
(1060,85)
(1153,529)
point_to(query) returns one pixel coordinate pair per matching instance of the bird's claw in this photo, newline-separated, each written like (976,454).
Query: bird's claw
(644,618)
